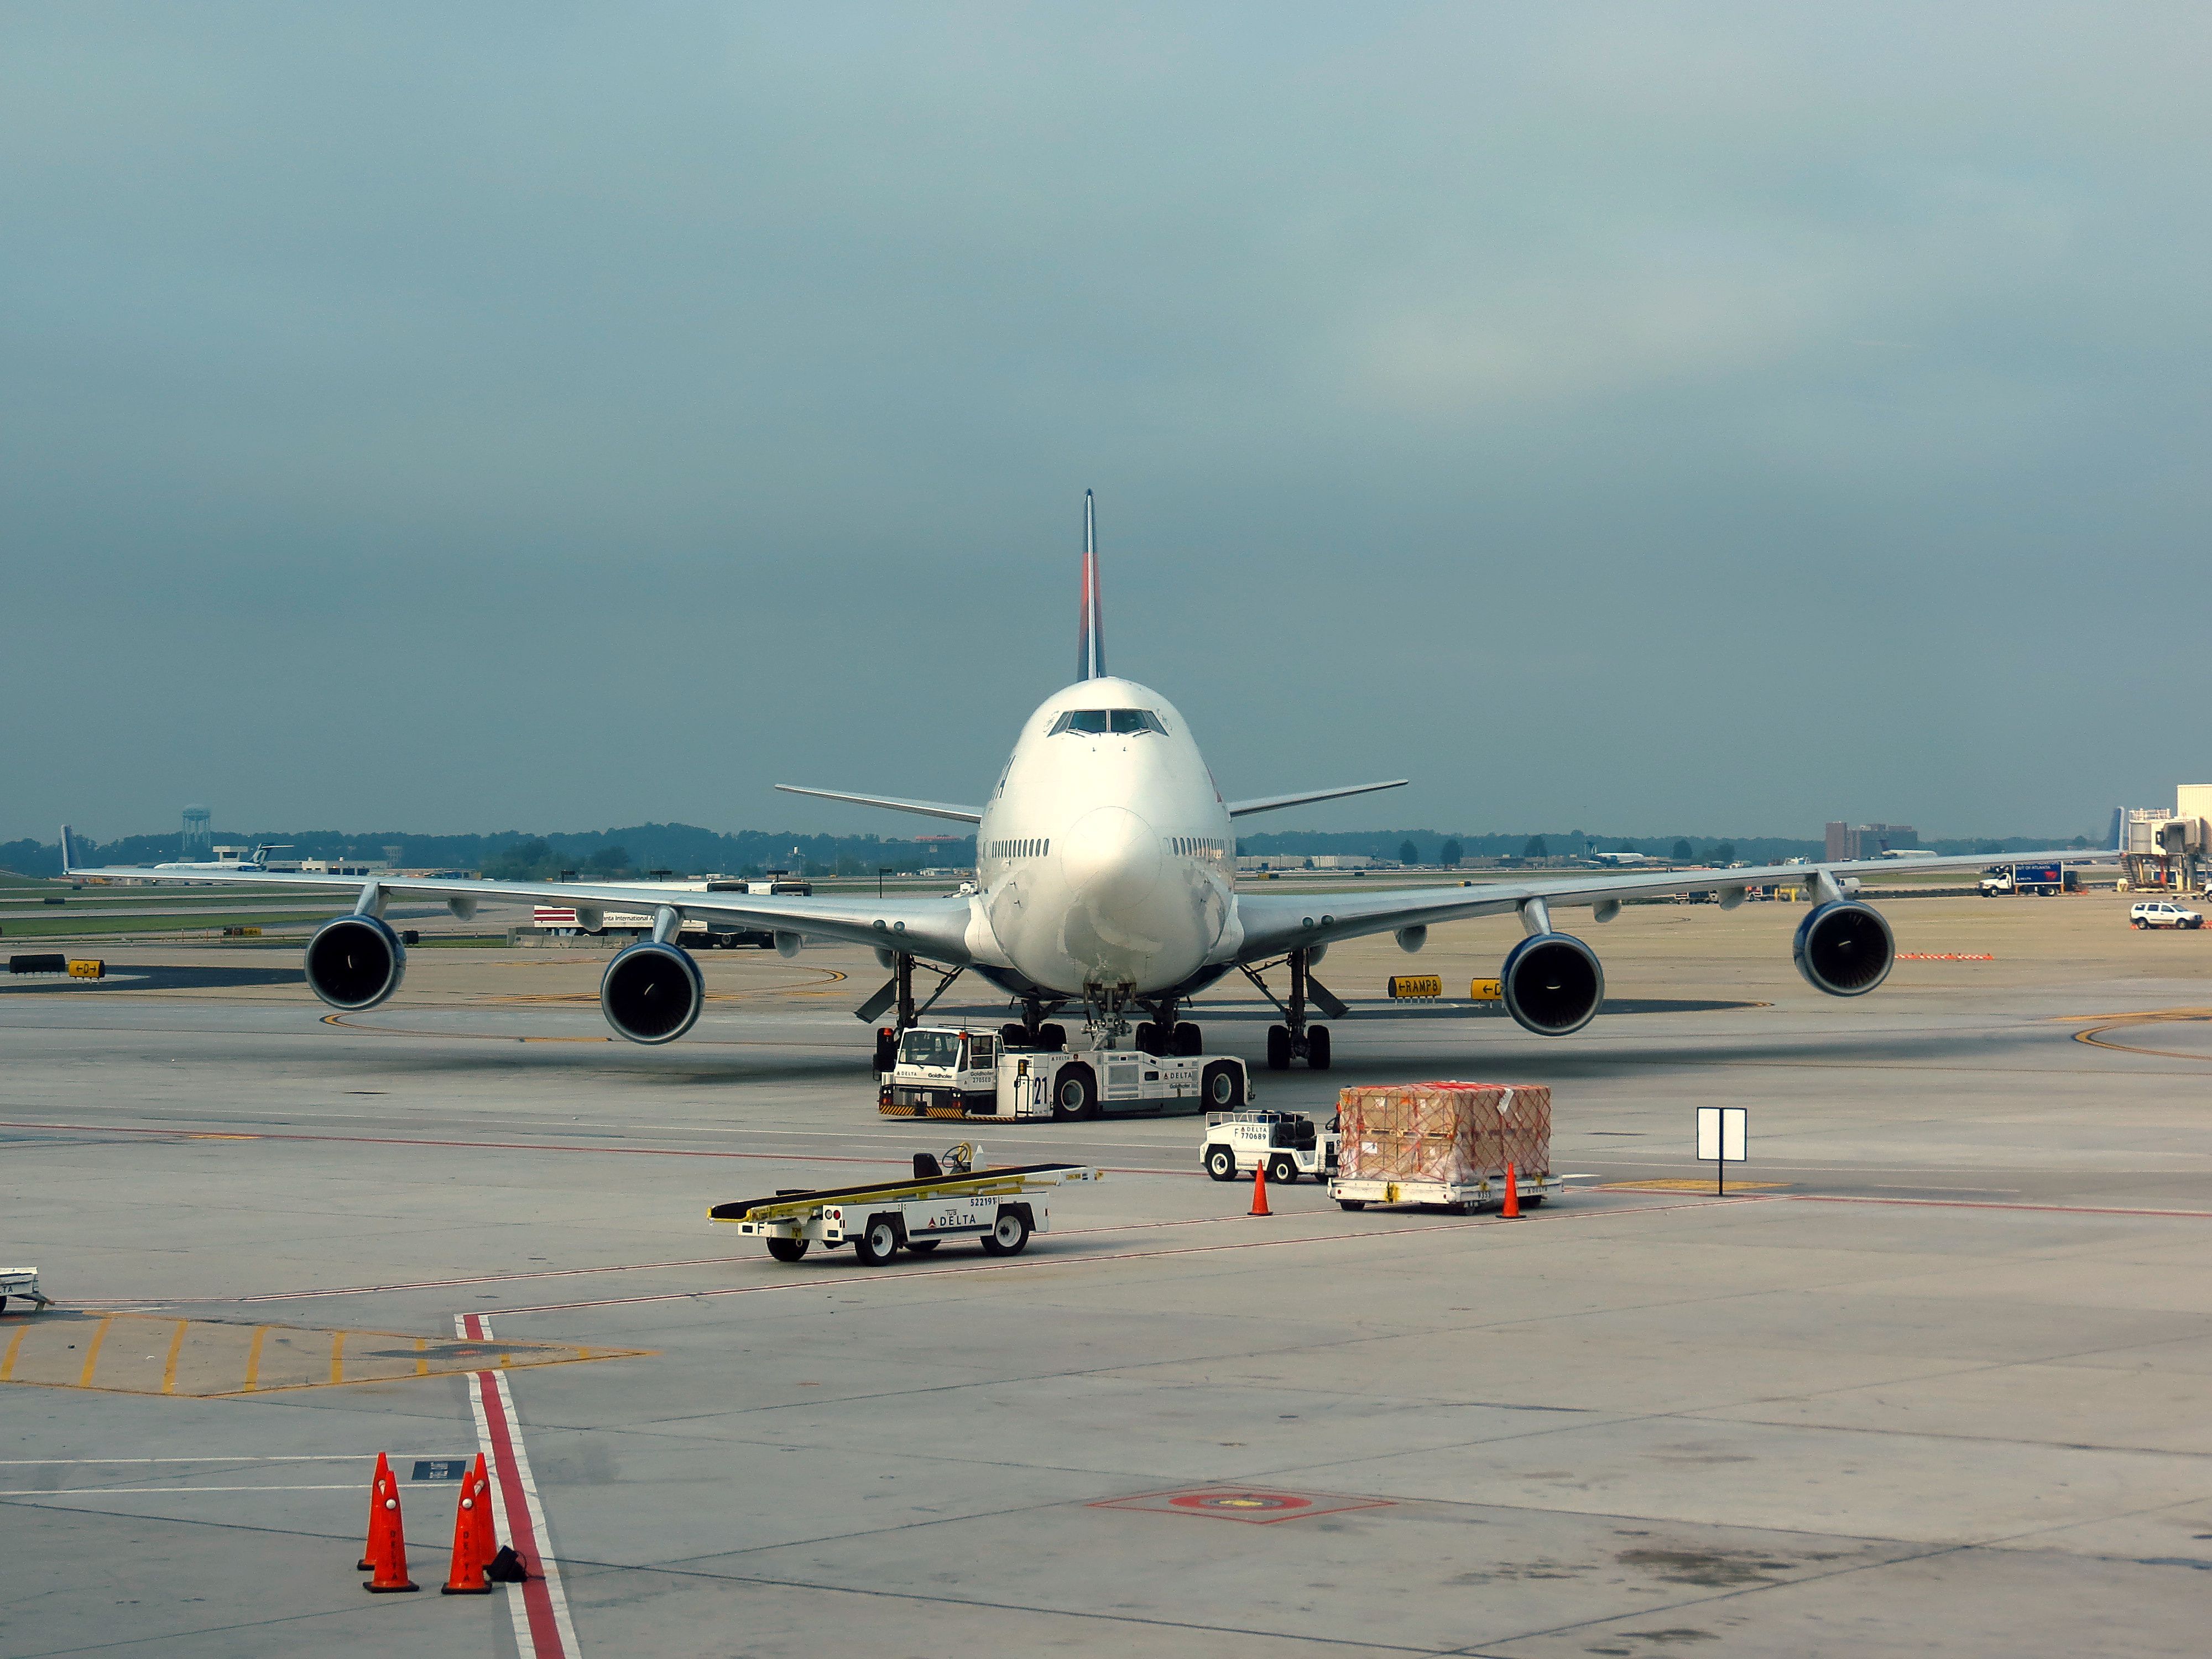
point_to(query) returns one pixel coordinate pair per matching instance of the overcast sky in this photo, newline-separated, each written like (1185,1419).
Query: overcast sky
(1634,417)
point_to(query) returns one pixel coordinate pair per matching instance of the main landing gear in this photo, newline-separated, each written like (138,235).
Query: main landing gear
(1163,1034)
(897,996)
(1297,1039)
(1033,1031)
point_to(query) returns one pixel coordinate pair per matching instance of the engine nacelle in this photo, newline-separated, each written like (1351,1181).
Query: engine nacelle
(652,992)
(1845,948)
(1553,984)
(355,962)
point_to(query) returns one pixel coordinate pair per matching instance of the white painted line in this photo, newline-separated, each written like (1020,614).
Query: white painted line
(242,1457)
(542,1626)
(175,1491)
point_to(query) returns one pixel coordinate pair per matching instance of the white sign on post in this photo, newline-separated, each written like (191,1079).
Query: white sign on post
(1724,1133)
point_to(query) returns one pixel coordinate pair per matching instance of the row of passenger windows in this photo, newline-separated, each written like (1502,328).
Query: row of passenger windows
(1126,721)
(1191,844)
(1022,847)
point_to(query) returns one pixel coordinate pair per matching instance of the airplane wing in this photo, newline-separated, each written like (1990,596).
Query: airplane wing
(933,927)
(1275,922)
(1238,809)
(927,809)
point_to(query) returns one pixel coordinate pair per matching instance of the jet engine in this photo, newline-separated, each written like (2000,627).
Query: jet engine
(1845,948)
(1553,984)
(355,962)
(652,992)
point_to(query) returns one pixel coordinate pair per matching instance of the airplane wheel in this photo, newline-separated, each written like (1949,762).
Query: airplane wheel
(1076,1095)
(786,1249)
(1148,1038)
(1014,1037)
(1317,1048)
(1052,1036)
(1189,1041)
(1279,1048)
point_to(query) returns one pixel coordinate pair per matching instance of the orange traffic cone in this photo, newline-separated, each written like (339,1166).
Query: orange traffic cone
(1259,1189)
(487,1526)
(387,1537)
(470,1517)
(375,1491)
(1512,1210)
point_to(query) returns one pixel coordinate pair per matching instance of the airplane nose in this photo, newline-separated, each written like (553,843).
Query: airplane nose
(1111,857)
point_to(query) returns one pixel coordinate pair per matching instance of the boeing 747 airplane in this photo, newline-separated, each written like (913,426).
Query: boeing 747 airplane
(1104,884)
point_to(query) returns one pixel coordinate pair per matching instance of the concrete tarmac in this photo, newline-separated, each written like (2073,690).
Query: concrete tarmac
(1933,1377)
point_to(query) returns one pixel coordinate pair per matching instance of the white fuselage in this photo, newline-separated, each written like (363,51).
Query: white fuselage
(1104,859)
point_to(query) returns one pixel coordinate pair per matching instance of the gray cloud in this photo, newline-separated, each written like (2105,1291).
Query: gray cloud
(1708,418)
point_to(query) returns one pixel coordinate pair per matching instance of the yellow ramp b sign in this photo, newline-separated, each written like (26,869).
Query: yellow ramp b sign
(1416,985)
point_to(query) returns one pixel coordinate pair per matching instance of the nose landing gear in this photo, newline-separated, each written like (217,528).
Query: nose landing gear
(1297,1039)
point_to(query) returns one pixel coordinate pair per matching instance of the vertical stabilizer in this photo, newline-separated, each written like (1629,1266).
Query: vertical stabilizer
(1091,636)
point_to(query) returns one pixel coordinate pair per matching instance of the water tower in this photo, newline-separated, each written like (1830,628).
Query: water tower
(199,837)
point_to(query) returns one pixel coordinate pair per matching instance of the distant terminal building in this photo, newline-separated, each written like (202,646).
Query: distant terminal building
(1867,840)
(1253,863)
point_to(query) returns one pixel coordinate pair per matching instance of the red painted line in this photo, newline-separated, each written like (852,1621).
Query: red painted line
(521,1529)
(1989,1204)
(809,1281)
(523,1145)
(543,1273)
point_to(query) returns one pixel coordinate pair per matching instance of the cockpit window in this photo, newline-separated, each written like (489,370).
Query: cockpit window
(1126,721)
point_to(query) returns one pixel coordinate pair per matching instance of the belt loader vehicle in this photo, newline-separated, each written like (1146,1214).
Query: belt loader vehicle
(948,1196)
(948,1072)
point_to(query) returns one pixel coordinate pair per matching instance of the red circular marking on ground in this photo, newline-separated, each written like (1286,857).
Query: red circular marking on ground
(1240,1502)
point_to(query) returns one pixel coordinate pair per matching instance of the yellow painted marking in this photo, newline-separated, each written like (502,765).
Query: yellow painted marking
(1690,1184)
(92,1352)
(2096,1038)
(176,1347)
(272,1358)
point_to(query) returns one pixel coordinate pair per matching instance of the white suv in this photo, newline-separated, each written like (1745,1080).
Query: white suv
(2158,912)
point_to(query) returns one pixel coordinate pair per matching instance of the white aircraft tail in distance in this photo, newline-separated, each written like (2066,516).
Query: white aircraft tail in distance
(1105,860)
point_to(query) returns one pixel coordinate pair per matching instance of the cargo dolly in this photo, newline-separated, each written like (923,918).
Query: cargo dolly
(948,1196)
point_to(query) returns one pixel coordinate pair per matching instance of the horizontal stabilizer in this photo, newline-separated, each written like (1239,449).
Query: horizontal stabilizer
(927,809)
(1238,809)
